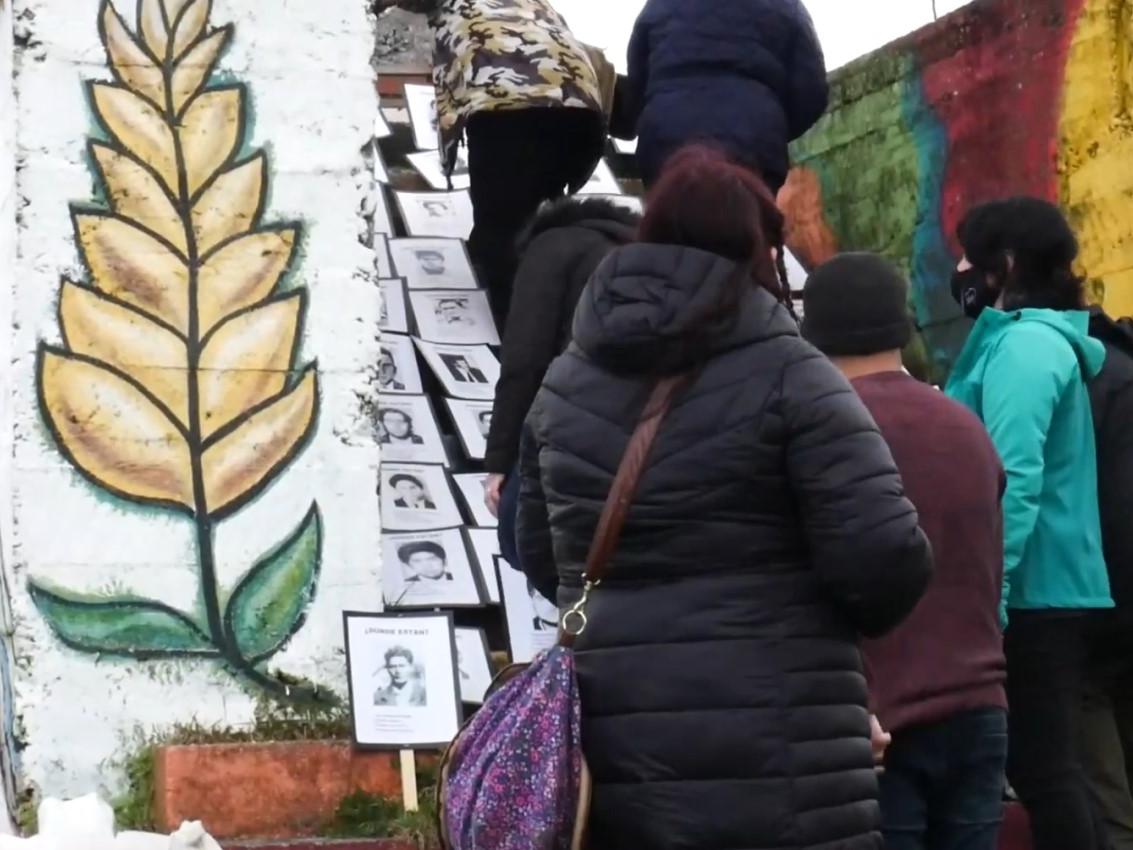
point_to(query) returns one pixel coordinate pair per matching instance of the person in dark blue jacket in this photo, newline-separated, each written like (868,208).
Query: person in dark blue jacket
(747,76)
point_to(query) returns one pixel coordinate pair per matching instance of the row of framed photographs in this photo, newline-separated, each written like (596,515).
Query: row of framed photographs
(465,371)
(462,568)
(410,672)
(455,316)
(407,429)
(418,497)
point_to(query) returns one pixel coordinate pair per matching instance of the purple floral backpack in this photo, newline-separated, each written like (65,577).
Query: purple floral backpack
(515,777)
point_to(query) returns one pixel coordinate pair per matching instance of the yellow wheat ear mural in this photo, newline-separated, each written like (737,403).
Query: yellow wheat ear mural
(177,384)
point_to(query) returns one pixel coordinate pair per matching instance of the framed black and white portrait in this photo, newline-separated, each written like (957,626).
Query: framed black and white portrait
(441,214)
(627,202)
(433,263)
(394,314)
(416,497)
(473,665)
(471,487)
(473,420)
(403,679)
(459,316)
(485,546)
(381,126)
(601,182)
(397,366)
(430,166)
(377,210)
(407,430)
(421,101)
(383,265)
(532,621)
(428,569)
(378,166)
(465,371)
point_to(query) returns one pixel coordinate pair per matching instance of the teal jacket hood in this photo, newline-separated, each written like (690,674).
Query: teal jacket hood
(1025,374)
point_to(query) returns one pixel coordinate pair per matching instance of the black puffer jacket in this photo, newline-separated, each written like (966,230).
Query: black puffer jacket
(724,705)
(559,251)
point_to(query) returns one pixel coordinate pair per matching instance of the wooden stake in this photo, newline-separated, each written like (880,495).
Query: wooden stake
(409,781)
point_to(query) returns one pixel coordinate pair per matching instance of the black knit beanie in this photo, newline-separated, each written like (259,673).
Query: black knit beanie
(856,304)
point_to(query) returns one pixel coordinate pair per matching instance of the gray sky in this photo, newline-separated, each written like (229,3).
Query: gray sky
(848,28)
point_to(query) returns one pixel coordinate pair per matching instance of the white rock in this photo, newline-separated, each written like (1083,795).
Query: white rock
(88,818)
(192,836)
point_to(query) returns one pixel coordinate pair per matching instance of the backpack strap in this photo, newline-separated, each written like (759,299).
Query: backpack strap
(622,491)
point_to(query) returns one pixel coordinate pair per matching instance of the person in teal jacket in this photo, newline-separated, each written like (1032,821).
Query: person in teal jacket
(1024,372)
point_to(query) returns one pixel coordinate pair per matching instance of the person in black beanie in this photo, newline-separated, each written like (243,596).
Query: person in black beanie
(938,679)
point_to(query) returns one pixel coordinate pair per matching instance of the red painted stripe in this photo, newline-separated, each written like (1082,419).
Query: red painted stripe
(994,75)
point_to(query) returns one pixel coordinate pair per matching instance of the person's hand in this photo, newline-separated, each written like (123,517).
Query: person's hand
(493,484)
(880,739)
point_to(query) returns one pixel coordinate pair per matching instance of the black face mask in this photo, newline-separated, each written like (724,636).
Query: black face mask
(972,292)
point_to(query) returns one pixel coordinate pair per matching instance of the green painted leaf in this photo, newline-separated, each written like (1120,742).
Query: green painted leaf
(137,628)
(268,605)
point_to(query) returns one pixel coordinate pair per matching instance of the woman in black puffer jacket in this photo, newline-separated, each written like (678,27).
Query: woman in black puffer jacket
(724,704)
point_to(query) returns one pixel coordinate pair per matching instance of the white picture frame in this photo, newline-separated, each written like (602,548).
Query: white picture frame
(382,129)
(381,222)
(416,497)
(473,420)
(527,615)
(378,169)
(484,544)
(602,181)
(433,263)
(473,665)
(465,371)
(383,265)
(456,316)
(393,316)
(403,679)
(470,485)
(407,430)
(397,366)
(431,167)
(421,101)
(438,214)
(428,569)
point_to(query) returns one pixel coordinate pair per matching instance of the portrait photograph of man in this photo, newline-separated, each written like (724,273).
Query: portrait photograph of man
(454,317)
(404,680)
(437,264)
(416,496)
(427,569)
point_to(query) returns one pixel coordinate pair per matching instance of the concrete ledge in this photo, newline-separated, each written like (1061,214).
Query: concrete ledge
(266,791)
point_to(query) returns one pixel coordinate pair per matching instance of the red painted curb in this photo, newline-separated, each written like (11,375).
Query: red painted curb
(309,844)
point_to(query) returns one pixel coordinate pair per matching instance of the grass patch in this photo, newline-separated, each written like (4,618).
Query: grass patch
(365,815)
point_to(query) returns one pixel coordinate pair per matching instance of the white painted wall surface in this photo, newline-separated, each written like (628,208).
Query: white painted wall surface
(306,69)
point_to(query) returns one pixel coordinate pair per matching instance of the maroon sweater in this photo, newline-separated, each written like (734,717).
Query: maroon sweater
(948,656)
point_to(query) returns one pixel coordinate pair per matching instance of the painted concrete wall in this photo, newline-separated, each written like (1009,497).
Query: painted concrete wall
(193,475)
(1003,97)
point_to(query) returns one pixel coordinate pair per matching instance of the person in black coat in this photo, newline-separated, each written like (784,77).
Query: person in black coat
(723,698)
(746,75)
(559,250)
(1108,714)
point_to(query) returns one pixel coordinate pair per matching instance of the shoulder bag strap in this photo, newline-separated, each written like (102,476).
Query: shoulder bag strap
(621,494)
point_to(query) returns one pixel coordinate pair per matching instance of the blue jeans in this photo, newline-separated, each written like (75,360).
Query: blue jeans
(509,507)
(942,788)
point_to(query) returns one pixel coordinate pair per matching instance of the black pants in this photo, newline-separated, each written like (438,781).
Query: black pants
(1107,725)
(942,788)
(516,160)
(1046,660)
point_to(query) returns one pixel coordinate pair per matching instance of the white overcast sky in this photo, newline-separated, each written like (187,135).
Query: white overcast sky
(848,28)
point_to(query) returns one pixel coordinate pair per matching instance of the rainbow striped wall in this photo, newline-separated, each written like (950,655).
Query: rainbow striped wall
(1003,97)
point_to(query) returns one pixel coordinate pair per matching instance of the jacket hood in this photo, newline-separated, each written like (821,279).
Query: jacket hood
(1115,332)
(642,304)
(1073,325)
(606,217)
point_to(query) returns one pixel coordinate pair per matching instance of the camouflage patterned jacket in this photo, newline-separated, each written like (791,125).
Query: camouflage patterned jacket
(495,55)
